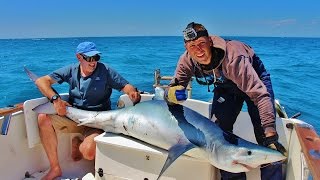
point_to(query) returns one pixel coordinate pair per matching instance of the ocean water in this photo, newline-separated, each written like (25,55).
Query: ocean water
(292,62)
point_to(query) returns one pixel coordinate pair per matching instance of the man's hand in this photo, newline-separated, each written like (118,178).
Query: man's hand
(132,92)
(135,97)
(176,94)
(60,106)
(272,142)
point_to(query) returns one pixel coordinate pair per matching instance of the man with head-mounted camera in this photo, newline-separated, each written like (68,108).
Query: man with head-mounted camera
(238,75)
(90,87)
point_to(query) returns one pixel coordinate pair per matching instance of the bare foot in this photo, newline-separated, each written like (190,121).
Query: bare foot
(53,173)
(75,152)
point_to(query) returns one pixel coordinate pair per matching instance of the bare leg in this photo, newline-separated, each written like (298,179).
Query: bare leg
(50,143)
(88,146)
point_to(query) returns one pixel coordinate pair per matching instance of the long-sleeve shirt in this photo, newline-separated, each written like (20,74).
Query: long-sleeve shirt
(238,65)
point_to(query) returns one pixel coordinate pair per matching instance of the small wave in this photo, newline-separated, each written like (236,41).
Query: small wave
(38,39)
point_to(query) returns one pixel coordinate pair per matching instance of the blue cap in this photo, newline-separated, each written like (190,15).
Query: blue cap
(88,49)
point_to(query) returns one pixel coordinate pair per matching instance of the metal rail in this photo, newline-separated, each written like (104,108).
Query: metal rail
(9,110)
(158,78)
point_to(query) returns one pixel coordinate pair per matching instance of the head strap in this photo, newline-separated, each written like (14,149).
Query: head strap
(190,33)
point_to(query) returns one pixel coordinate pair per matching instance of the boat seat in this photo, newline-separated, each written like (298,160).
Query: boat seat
(31,119)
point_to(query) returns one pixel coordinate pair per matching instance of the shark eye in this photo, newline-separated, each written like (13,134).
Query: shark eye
(249,153)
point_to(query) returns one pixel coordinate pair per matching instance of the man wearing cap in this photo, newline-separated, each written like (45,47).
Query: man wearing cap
(237,75)
(90,87)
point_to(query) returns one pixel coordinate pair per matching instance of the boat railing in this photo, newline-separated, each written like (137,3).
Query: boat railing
(158,78)
(6,113)
(11,109)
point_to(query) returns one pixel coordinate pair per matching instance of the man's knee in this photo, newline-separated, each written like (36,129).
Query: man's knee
(44,120)
(88,148)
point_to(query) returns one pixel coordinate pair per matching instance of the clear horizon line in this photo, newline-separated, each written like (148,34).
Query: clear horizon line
(124,36)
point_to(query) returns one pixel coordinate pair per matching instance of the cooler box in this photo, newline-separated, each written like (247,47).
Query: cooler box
(120,157)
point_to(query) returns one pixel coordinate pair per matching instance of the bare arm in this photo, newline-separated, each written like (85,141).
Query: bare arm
(44,84)
(132,92)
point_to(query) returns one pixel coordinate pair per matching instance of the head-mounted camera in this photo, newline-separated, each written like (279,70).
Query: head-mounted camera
(190,33)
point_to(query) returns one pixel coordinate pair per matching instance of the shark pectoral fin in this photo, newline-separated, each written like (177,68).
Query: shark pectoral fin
(173,153)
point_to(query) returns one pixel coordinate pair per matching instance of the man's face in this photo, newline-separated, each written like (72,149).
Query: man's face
(200,50)
(87,66)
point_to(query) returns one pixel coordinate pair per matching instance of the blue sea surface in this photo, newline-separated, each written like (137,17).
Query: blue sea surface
(292,62)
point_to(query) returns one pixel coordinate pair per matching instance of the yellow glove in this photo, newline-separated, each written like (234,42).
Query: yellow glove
(176,94)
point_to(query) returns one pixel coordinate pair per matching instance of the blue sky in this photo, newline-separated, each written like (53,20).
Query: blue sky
(85,18)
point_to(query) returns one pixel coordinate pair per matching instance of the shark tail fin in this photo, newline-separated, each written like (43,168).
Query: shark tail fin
(34,77)
(46,108)
(31,75)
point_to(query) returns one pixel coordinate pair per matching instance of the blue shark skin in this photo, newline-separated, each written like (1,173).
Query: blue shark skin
(179,130)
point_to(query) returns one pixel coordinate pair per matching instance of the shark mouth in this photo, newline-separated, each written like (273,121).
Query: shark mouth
(244,165)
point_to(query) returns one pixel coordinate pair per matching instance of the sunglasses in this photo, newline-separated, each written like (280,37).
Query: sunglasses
(94,58)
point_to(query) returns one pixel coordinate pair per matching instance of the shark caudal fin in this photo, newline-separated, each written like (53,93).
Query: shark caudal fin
(46,108)
(34,77)
(31,75)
